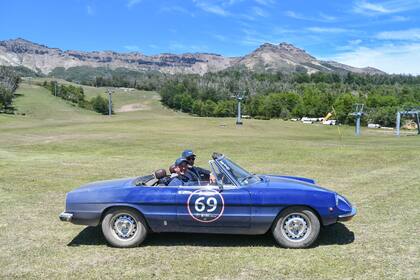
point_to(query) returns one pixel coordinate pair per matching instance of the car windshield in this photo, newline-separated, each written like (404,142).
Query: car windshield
(237,172)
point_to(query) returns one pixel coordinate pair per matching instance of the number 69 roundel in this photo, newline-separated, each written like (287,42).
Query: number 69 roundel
(205,206)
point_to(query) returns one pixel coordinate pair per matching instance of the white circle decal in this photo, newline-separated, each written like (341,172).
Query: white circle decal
(205,206)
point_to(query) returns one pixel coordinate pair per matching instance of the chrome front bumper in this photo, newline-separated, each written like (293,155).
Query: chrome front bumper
(347,217)
(65,217)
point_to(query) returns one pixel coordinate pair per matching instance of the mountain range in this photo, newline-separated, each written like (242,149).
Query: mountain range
(283,57)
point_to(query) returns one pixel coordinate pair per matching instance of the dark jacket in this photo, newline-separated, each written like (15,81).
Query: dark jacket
(180,180)
(198,174)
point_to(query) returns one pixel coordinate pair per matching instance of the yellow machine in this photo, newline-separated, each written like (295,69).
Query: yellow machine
(326,118)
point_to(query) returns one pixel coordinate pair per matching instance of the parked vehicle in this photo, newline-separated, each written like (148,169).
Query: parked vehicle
(292,208)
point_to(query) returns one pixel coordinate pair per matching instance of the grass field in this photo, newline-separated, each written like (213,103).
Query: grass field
(54,147)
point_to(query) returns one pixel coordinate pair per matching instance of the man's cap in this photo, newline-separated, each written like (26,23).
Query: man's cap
(179,161)
(187,153)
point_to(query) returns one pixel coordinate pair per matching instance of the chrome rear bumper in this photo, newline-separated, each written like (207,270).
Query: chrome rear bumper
(65,217)
(347,217)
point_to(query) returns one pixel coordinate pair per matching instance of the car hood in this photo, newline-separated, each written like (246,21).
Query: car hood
(303,179)
(292,182)
(103,185)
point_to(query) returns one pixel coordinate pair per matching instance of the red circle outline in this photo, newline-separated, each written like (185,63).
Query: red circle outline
(209,221)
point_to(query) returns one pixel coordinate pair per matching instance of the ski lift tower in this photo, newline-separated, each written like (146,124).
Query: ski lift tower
(109,91)
(414,113)
(239,98)
(358,113)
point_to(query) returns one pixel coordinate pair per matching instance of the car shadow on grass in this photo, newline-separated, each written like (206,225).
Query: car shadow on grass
(337,234)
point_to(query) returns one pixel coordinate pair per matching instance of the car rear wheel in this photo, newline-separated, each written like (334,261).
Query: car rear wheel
(296,227)
(124,227)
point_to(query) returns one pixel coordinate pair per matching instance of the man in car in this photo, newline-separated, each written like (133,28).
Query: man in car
(196,173)
(179,178)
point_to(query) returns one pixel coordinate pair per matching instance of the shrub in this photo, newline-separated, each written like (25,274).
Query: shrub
(100,105)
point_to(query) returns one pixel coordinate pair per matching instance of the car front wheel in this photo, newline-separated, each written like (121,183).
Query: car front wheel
(296,227)
(124,227)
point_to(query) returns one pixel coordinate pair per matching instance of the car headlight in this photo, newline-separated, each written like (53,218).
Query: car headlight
(339,198)
(342,203)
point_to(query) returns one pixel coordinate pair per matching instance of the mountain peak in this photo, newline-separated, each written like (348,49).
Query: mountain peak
(287,46)
(20,45)
(286,49)
(21,41)
(267,45)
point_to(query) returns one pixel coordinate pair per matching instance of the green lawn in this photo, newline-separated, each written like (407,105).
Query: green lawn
(54,147)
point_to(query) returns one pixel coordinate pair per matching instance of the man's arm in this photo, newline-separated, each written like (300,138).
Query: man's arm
(202,173)
(192,175)
(202,170)
(175,182)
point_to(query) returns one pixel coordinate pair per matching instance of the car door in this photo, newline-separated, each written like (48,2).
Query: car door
(157,203)
(214,206)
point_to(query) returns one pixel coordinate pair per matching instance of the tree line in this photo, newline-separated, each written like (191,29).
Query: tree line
(279,95)
(76,96)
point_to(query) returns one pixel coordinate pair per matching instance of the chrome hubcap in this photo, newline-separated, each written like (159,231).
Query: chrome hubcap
(124,226)
(296,227)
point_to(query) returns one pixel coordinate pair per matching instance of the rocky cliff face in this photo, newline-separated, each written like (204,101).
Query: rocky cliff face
(39,57)
(268,57)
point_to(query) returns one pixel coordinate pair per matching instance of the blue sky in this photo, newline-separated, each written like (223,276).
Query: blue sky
(383,34)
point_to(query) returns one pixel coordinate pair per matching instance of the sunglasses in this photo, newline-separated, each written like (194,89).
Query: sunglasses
(190,158)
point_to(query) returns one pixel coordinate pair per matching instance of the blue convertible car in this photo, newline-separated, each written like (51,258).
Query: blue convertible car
(292,208)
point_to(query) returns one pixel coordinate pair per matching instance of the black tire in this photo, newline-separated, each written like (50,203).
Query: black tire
(124,227)
(296,227)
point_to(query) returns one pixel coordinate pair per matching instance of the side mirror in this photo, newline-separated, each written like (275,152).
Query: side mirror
(220,185)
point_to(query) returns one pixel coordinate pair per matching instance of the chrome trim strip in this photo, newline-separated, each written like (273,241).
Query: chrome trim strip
(346,217)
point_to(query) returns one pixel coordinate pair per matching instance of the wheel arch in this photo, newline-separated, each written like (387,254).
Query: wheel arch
(296,205)
(126,206)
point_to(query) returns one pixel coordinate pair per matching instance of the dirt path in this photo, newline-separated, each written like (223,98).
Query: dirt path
(132,107)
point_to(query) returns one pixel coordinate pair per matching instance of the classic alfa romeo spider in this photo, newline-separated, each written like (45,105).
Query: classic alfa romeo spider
(293,208)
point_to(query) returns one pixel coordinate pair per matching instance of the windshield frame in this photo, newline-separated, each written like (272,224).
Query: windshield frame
(226,165)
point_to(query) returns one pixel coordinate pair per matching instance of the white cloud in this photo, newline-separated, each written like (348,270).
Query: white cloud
(131,3)
(294,15)
(384,7)
(229,2)
(326,17)
(320,18)
(351,44)
(396,59)
(265,2)
(364,7)
(404,35)
(176,9)
(213,8)
(355,42)
(327,29)
(260,12)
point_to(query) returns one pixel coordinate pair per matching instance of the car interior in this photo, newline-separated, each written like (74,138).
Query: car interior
(160,178)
